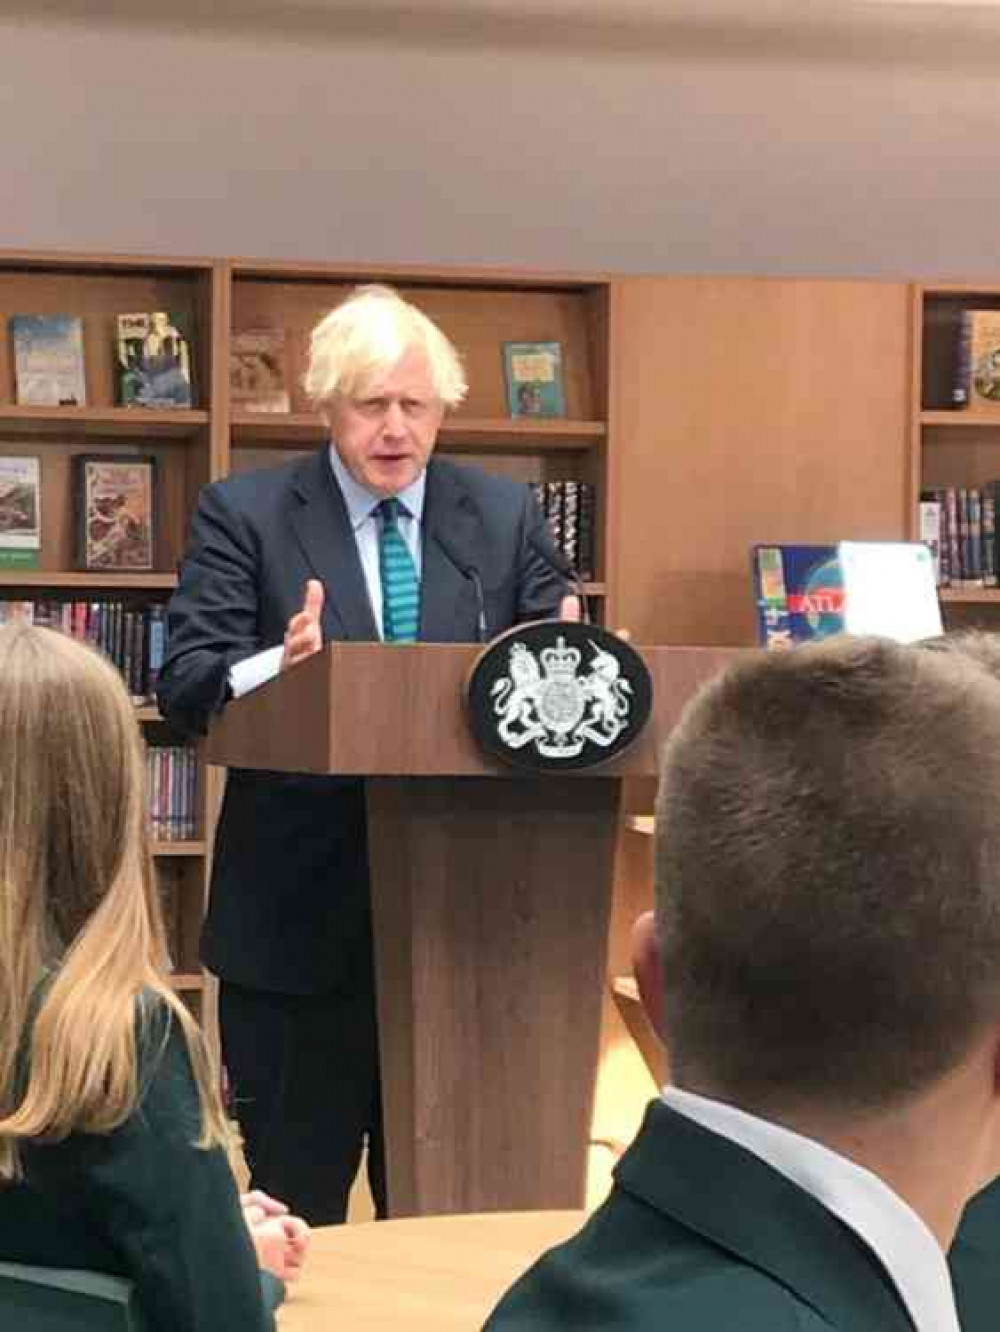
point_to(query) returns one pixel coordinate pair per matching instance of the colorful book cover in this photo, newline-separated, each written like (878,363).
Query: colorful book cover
(534,375)
(20,513)
(115,505)
(799,592)
(48,360)
(258,371)
(154,360)
(981,335)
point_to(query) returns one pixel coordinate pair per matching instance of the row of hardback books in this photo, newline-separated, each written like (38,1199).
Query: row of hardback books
(958,524)
(172,787)
(569,508)
(132,637)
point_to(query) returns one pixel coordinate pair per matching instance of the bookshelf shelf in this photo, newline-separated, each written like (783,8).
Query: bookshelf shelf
(179,848)
(962,420)
(187,980)
(970,596)
(102,421)
(297,430)
(137,582)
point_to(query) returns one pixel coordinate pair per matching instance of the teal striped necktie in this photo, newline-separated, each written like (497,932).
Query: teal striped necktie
(400,584)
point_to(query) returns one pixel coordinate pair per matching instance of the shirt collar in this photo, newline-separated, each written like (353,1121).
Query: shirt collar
(361,501)
(900,1239)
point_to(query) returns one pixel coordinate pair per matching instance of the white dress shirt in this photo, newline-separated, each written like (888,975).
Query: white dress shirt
(361,504)
(903,1243)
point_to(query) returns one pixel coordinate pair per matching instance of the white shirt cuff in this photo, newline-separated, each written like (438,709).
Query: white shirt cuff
(256,670)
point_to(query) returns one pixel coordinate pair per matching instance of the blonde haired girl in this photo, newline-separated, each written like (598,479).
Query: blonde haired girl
(112,1134)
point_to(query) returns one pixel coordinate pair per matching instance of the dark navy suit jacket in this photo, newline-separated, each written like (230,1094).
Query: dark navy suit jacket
(289,903)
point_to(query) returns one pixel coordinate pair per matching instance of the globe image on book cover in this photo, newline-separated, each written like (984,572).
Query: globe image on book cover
(799,593)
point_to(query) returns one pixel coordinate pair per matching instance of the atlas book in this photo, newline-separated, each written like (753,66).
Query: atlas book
(258,371)
(153,355)
(48,360)
(534,376)
(20,513)
(799,593)
(115,511)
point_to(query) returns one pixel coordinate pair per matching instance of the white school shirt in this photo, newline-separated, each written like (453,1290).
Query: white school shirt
(899,1238)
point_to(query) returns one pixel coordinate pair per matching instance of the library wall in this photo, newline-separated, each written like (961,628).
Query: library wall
(331,132)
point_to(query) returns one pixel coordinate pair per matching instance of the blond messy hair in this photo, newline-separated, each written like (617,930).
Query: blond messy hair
(364,337)
(78,903)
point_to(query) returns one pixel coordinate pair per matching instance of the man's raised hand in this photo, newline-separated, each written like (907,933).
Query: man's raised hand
(304,636)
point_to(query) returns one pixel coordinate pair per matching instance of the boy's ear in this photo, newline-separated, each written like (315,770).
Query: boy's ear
(647,965)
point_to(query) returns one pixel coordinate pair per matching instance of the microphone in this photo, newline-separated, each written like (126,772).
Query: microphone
(551,555)
(468,570)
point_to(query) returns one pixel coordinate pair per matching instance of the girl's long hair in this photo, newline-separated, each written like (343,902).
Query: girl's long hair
(81,931)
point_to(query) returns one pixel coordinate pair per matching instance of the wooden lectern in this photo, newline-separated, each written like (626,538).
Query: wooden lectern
(491,897)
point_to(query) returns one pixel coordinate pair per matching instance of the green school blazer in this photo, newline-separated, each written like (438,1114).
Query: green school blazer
(700,1235)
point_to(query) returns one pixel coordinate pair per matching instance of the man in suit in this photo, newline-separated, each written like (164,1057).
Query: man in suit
(369,538)
(824,966)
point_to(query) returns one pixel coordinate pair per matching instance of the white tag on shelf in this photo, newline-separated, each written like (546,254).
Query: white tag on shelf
(889,590)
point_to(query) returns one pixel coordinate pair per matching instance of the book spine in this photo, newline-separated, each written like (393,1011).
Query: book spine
(961,390)
(587,566)
(974,504)
(989,536)
(930,531)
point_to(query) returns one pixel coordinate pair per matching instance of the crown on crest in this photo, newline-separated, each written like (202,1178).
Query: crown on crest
(560,662)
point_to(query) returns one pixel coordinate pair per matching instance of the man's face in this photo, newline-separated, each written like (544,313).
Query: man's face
(386,436)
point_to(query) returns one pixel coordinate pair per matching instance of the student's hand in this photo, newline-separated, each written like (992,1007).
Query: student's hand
(261,1205)
(281,1241)
(569,608)
(304,636)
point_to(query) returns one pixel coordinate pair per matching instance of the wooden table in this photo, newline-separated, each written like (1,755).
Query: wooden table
(435,1272)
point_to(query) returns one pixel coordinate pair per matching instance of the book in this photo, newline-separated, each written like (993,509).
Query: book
(856,587)
(115,503)
(534,375)
(799,593)
(153,360)
(258,371)
(20,513)
(977,374)
(889,590)
(48,360)
(930,530)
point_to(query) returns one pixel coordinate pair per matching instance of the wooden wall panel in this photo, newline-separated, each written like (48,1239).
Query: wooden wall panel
(748,410)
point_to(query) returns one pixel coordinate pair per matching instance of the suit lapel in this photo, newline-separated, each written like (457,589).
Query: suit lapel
(448,604)
(323,529)
(732,1198)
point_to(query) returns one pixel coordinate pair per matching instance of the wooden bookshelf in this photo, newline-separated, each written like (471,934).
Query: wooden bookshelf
(98,288)
(954,448)
(478,309)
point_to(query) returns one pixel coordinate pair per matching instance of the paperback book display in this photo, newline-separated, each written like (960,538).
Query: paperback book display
(534,376)
(258,371)
(48,360)
(153,360)
(115,501)
(20,513)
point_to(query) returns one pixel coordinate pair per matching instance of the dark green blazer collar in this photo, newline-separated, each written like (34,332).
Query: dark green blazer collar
(735,1200)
